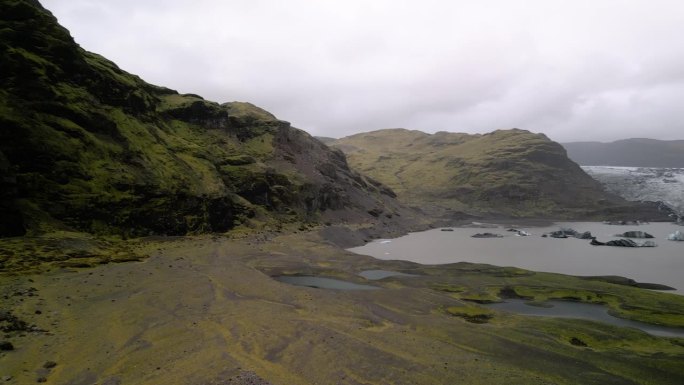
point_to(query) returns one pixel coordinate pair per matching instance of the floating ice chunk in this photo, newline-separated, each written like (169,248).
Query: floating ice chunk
(676,236)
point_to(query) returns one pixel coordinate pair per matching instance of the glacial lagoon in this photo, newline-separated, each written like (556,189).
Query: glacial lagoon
(663,264)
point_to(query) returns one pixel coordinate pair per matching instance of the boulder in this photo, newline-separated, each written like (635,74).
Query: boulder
(518,232)
(487,235)
(6,345)
(635,234)
(566,233)
(594,242)
(622,243)
(616,242)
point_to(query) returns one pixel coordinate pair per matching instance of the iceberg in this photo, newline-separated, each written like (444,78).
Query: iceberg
(676,236)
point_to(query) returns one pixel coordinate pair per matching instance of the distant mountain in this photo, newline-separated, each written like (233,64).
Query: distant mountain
(85,145)
(628,153)
(506,172)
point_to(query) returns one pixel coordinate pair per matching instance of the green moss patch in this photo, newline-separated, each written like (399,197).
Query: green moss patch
(473,314)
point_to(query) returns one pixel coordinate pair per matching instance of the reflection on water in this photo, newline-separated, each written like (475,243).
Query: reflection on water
(663,264)
(323,283)
(567,309)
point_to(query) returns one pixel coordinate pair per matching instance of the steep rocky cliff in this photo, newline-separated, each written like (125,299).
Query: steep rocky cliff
(506,172)
(86,146)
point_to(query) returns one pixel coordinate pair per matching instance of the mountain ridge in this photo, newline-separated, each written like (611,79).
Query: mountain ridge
(633,152)
(505,172)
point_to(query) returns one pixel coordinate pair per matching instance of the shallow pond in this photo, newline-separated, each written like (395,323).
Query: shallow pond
(375,275)
(567,309)
(663,264)
(323,283)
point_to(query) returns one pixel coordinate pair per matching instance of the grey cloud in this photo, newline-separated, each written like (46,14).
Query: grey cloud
(575,70)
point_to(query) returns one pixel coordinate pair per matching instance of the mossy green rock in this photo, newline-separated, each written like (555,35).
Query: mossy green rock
(505,172)
(87,146)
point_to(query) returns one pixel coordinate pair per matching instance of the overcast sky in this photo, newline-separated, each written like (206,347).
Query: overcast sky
(574,70)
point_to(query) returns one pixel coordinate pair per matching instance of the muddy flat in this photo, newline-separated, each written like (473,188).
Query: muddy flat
(206,310)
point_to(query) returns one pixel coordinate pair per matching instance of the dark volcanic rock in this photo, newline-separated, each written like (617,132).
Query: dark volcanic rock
(569,233)
(577,342)
(245,378)
(11,323)
(6,345)
(635,234)
(623,243)
(559,234)
(486,235)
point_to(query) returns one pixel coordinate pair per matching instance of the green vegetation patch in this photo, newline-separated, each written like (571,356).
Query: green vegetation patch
(636,304)
(64,249)
(485,284)
(473,314)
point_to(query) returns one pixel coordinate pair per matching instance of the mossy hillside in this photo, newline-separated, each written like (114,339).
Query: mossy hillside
(89,146)
(512,172)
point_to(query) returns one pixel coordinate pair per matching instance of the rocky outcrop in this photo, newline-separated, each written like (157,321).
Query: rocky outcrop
(86,146)
(11,220)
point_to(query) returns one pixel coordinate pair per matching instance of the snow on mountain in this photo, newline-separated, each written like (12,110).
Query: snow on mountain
(643,183)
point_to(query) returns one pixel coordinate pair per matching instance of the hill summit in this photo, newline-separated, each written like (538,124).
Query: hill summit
(505,172)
